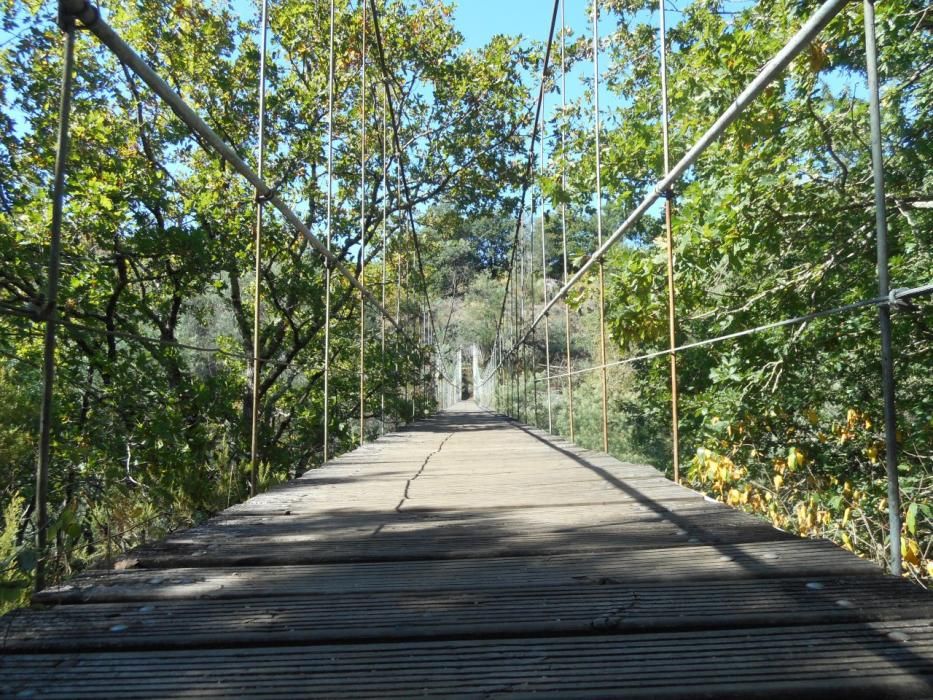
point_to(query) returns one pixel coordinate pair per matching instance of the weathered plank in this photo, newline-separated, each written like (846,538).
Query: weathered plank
(269,544)
(492,612)
(470,556)
(870,660)
(793,558)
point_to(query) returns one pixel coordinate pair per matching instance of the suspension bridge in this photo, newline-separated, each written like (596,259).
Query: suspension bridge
(468,553)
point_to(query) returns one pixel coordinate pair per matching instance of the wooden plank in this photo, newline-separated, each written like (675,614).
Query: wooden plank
(788,559)
(492,613)
(268,544)
(468,556)
(868,660)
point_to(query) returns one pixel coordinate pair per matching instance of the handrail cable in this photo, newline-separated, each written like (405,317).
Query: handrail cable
(394,118)
(669,230)
(329,236)
(362,256)
(90,17)
(257,252)
(797,44)
(529,166)
(895,298)
(599,229)
(563,212)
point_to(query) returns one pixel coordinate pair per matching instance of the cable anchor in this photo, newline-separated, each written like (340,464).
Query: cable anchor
(70,12)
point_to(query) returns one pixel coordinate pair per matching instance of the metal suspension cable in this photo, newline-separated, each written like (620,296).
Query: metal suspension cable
(394,120)
(531,287)
(896,297)
(884,311)
(397,143)
(529,165)
(51,302)
(213,350)
(798,43)
(257,251)
(89,15)
(599,229)
(520,298)
(563,211)
(362,273)
(385,253)
(329,236)
(669,229)
(547,330)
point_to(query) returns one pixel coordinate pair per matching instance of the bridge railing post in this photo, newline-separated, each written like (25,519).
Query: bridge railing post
(884,309)
(50,308)
(668,226)
(257,253)
(599,232)
(329,235)
(563,217)
(547,329)
(362,271)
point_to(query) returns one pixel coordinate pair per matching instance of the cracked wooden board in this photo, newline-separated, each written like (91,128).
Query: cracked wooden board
(445,558)
(491,612)
(868,660)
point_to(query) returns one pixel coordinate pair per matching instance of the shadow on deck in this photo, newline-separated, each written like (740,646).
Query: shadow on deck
(472,556)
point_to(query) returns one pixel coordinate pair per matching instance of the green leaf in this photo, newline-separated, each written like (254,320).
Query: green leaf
(912,519)
(26,559)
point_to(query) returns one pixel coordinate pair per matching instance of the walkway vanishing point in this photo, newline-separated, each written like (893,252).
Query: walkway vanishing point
(469,555)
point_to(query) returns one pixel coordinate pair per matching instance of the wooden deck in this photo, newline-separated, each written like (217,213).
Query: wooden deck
(472,556)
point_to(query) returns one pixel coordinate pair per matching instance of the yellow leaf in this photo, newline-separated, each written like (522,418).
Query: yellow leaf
(778,481)
(851,417)
(818,57)
(910,550)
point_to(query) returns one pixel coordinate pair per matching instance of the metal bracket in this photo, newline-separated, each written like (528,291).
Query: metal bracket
(70,12)
(899,300)
(267,196)
(328,264)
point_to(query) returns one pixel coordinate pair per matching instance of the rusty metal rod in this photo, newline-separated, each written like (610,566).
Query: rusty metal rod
(668,205)
(50,309)
(363,234)
(106,34)
(884,310)
(547,329)
(563,215)
(257,252)
(330,204)
(385,253)
(797,44)
(599,231)
(893,297)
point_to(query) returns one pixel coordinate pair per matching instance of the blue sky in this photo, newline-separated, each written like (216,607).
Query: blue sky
(480,20)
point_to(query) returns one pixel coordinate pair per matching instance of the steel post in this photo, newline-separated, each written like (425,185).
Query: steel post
(884,310)
(257,252)
(50,308)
